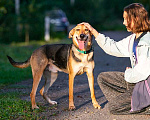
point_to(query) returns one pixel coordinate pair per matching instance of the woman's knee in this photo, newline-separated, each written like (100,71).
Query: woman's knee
(114,80)
(102,77)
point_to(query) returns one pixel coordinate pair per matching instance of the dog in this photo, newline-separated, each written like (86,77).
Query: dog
(74,59)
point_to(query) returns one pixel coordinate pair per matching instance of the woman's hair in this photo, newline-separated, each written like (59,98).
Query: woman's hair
(138,14)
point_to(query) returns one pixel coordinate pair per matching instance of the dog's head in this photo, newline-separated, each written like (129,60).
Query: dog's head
(82,37)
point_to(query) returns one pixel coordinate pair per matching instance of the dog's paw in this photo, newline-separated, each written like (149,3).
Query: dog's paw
(49,100)
(72,107)
(97,106)
(35,107)
(53,102)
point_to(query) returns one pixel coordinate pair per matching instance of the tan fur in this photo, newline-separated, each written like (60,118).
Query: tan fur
(81,67)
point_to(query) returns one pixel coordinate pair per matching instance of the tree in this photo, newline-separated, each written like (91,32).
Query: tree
(101,14)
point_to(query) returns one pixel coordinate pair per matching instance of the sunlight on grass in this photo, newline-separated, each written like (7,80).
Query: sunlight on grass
(10,74)
(39,43)
(19,52)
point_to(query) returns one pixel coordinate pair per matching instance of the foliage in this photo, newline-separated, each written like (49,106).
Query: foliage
(7,30)
(146,4)
(29,24)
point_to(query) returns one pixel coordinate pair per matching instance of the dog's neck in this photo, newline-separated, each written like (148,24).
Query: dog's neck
(84,52)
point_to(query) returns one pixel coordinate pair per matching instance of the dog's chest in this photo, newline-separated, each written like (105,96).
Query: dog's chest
(85,58)
(82,58)
(82,62)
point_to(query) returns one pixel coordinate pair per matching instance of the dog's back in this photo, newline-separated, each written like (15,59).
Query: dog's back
(58,53)
(55,53)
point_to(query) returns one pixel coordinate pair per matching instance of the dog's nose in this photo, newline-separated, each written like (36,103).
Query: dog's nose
(82,35)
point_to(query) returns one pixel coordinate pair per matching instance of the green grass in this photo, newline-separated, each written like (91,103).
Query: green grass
(11,107)
(10,74)
(19,52)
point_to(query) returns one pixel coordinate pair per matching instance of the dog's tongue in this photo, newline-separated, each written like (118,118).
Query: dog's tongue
(81,45)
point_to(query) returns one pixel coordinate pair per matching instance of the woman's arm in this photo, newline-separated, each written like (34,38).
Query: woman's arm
(142,69)
(111,47)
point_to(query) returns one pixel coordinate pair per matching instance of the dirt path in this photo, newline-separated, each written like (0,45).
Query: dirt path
(84,109)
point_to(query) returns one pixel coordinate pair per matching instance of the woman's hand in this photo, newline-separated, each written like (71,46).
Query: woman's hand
(88,26)
(128,68)
(93,31)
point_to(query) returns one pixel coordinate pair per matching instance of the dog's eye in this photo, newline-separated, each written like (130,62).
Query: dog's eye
(86,30)
(77,29)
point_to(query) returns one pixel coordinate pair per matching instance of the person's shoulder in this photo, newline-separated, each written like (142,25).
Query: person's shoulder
(129,37)
(146,38)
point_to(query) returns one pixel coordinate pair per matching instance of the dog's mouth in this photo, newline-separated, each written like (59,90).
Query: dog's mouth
(82,42)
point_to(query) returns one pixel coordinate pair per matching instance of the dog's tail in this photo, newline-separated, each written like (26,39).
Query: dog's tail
(19,64)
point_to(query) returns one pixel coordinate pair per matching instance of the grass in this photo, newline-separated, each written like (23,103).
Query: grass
(10,74)
(11,106)
(19,52)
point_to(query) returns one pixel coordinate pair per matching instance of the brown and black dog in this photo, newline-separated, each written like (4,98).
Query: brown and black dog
(74,59)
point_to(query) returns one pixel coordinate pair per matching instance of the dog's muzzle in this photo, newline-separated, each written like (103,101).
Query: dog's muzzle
(82,41)
(82,36)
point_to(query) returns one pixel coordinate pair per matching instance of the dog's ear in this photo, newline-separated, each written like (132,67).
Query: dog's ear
(71,33)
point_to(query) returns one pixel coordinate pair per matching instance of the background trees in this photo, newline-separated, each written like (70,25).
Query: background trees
(29,24)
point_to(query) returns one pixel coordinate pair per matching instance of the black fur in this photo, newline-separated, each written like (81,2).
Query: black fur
(59,54)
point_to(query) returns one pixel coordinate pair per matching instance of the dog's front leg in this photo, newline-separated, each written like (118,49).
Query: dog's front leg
(71,83)
(91,85)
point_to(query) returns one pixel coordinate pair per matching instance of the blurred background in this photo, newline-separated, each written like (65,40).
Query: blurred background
(27,20)
(25,25)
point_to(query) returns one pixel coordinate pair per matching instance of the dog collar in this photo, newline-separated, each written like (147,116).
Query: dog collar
(86,52)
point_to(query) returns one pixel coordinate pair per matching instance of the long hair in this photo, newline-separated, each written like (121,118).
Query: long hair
(138,14)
